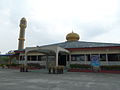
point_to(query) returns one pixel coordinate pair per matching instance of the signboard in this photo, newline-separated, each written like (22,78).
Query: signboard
(95,60)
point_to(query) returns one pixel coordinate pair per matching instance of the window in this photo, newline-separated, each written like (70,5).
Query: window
(33,58)
(88,57)
(73,58)
(102,57)
(113,57)
(28,58)
(51,58)
(77,57)
(43,58)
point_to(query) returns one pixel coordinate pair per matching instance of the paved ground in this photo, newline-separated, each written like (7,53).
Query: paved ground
(40,80)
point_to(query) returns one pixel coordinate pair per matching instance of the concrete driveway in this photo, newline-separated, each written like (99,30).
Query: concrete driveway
(41,80)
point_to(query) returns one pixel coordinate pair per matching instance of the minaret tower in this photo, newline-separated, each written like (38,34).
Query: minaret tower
(23,25)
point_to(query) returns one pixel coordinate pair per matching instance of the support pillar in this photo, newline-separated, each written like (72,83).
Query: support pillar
(37,58)
(99,58)
(85,58)
(66,60)
(19,59)
(47,61)
(57,58)
(106,58)
(25,62)
(25,68)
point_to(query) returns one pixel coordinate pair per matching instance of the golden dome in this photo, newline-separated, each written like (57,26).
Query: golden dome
(72,37)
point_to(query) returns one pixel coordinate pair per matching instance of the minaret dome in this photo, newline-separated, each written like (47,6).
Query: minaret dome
(72,36)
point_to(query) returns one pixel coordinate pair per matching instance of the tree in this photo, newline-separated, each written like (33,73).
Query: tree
(10,52)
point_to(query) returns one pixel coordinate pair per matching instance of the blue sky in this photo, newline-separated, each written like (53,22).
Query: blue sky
(48,21)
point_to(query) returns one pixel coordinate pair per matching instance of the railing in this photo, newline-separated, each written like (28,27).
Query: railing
(40,62)
(101,62)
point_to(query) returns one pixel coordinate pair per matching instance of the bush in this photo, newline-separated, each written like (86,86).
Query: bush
(104,67)
(80,66)
(13,64)
(111,67)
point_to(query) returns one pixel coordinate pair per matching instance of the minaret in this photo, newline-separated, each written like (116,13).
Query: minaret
(23,25)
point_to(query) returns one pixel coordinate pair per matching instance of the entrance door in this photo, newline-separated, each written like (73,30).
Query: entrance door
(62,60)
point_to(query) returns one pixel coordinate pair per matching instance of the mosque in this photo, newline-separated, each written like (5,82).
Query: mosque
(72,51)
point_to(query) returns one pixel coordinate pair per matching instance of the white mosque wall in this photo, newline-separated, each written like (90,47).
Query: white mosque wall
(101,63)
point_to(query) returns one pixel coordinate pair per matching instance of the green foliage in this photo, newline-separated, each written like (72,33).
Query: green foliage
(111,67)
(10,52)
(13,64)
(4,58)
(105,67)
(80,66)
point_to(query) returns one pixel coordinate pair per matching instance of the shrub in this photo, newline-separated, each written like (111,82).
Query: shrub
(13,64)
(110,67)
(80,66)
(104,67)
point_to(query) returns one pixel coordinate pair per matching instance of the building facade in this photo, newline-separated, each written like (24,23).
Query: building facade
(71,51)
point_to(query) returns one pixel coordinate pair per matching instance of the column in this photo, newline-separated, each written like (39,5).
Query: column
(19,60)
(100,60)
(66,60)
(47,61)
(85,58)
(106,58)
(25,59)
(37,58)
(24,67)
(56,58)
(90,59)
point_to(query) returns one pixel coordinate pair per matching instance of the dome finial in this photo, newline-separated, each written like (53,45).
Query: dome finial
(72,30)
(72,36)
